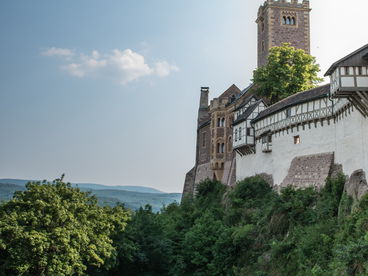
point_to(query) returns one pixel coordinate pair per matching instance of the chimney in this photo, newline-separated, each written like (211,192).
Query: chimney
(203,114)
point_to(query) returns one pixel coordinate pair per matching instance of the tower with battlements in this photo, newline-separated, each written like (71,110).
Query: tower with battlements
(282,21)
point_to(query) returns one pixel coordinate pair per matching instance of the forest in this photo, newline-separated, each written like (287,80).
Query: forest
(55,229)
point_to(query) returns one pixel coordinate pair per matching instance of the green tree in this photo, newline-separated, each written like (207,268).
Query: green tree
(54,229)
(287,71)
(152,249)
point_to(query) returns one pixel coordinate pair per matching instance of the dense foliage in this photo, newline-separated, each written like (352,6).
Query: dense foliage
(53,229)
(252,230)
(247,230)
(288,70)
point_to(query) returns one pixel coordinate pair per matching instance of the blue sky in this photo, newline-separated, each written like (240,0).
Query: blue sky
(107,91)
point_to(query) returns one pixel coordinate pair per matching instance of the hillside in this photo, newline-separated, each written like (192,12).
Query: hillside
(107,195)
(140,189)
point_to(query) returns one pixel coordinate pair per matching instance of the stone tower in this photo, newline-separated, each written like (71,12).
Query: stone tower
(281,21)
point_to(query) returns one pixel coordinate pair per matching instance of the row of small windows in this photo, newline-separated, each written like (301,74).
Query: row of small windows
(348,70)
(238,134)
(288,20)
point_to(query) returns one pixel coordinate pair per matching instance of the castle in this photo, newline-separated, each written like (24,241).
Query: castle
(300,140)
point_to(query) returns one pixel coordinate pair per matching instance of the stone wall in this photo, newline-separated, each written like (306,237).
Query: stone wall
(189,182)
(309,171)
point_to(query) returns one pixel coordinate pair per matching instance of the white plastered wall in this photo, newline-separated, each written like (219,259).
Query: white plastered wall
(347,138)
(313,140)
(352,142)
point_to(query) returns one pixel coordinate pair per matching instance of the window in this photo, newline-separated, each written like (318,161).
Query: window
(267,143)
(288,112)
(240,133)
(288,20)
(359,70)
(249,131)
(297,140)
(220,147)
(221,122)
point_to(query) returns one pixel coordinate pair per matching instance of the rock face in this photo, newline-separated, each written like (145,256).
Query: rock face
(309,171)
(357,186)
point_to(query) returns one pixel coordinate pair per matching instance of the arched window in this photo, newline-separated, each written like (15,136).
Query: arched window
(288,20)
(218,122)
(222,148)
(284,20)
(293,21)
(223,122)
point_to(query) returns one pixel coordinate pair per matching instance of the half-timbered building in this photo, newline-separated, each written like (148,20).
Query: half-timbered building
(302,139)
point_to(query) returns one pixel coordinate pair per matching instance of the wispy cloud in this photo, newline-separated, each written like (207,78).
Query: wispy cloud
(53,51)
(122,65)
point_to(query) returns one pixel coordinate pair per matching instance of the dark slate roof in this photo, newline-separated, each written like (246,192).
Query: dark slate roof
(298,98)
(240,95)
(232,90)
(247,100)
(363,51)
(247,113)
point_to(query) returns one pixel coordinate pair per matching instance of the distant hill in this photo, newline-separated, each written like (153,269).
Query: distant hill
(7,191)
(106,195)
(140,189)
